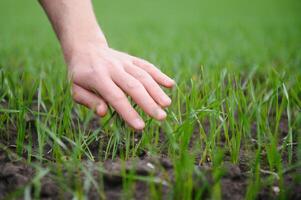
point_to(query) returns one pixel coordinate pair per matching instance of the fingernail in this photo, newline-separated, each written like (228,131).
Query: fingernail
(100,111)
(138,124)
(166,101)
(171,81)
(160,114)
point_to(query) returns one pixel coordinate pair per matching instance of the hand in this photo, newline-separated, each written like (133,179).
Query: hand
(102,76)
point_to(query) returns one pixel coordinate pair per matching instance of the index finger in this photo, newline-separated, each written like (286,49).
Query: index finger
(117,99)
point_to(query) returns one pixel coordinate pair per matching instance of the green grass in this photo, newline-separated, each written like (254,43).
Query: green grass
(237,65)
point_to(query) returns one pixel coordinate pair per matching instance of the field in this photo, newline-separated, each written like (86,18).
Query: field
(233,130)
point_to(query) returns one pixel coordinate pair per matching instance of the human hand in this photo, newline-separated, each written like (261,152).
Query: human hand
(102,76)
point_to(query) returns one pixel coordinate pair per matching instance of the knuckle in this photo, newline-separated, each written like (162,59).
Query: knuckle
(84,74)
(117,97)
(127,63)
(153,86)
(148,80)
(142,74)
(91,73)
(148,64)
(114,64)
(133,84)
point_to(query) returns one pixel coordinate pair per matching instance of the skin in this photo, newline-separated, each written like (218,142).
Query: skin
(100,75)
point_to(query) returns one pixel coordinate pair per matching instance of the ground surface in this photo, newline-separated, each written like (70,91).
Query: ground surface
(232,132)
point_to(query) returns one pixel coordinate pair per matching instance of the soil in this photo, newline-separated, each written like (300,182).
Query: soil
(16,173)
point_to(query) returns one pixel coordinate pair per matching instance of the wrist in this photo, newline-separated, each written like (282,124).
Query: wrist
(81,43)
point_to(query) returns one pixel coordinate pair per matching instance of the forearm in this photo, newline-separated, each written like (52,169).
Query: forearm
(74,23)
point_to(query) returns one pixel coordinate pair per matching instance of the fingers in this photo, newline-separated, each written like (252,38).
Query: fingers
(90,100)
(138,93)
(111,79)
(149,84)
(157,75)
(117,99)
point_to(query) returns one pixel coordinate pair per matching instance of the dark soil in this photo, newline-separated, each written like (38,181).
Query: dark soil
(16,174)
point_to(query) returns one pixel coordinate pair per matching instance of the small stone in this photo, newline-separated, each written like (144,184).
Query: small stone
(276,189)
(150,165)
